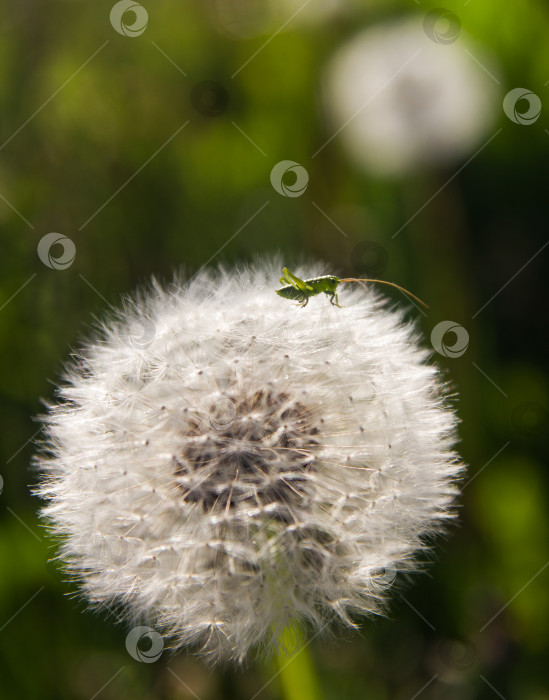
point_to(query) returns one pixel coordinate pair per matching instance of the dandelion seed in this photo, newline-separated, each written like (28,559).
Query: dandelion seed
(251,465)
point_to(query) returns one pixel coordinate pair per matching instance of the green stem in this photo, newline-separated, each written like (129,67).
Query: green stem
(296,672)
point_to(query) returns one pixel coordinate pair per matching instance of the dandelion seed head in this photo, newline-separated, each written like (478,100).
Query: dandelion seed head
(403,102)
(243,463)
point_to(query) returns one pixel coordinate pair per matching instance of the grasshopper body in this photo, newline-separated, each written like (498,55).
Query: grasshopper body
(300,290)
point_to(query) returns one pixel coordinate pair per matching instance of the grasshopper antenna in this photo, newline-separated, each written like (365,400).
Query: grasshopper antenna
(391,284)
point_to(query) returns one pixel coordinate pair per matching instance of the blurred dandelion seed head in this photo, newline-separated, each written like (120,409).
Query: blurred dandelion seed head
(404,100)
(252,464)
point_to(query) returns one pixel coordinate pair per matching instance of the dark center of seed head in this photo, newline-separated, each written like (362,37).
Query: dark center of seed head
(251,450)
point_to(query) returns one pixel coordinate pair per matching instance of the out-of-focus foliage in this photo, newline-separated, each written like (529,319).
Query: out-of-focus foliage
(154,151)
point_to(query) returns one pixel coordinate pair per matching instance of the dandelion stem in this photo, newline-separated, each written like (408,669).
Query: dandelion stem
(297,674)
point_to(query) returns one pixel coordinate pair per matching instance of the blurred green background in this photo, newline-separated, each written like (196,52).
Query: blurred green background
(92,145)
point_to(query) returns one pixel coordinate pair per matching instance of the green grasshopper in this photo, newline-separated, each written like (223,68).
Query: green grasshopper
(301,290)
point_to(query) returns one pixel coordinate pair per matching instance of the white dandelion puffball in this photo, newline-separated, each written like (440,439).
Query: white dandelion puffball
(403,101)
(224,463)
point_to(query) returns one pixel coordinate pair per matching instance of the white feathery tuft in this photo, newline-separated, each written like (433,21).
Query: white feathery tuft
(224,463)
